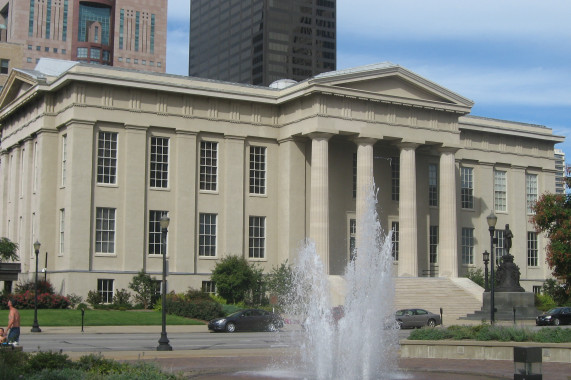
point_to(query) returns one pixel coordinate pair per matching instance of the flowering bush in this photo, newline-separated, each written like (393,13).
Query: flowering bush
(45,301)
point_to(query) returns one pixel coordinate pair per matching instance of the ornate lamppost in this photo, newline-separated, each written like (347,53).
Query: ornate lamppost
(164,340)
(492,219)
(36,326)
(486,255)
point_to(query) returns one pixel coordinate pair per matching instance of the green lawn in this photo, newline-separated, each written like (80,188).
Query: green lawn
(48,317)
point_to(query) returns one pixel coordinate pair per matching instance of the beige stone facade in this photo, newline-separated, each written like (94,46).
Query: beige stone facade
(91,157)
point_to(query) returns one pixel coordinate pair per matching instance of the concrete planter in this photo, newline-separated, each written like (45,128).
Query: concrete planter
(470,349)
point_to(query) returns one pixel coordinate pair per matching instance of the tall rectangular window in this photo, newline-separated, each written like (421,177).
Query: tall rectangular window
(530,192)
(48,19)
(31,19)
(105,288)
(354,175)
(121,27)
(107,158)
(257,237)
(63,160)
(105,230)
(532,259)
(209,287)
(352,238)
(257,170)
(155,233)
(395,240)
(208,165)
(61,231)
(467,246)
(152,34)
(500,190)
(65,12)
(467,187)
(395,178)
(432,185)
(137,17)
(207,235)
(500,250)
(159,176)
(433,244)
(4,66)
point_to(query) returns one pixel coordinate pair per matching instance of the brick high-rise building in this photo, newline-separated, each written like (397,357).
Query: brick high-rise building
(260,41)
(122,33)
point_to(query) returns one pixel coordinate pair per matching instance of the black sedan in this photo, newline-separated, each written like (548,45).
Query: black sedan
(556,316)
(410,318)
(247,320)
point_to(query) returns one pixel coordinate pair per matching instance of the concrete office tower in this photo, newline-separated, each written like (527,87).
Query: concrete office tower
(261,41)
(123,33)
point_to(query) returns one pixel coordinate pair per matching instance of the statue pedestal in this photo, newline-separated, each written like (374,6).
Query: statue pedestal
(524,303)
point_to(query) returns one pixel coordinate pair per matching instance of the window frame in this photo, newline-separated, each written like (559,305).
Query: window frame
(107,158)
(159,169)
(258,170)
(395,238)
(433,232)
(531,192)
(395,178)
(256,237)
(207,240)
(61,231)
(532,252)
(208,180)
(467,187)
(500,191)
(432,185)
(155,232)
(103,289)
(110,232)
(467,246)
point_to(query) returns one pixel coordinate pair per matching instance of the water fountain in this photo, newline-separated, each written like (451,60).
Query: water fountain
(364,343)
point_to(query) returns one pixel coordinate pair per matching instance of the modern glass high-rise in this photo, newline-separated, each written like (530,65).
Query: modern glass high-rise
(261,41)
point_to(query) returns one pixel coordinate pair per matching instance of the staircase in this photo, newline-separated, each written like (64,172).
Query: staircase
(456,296)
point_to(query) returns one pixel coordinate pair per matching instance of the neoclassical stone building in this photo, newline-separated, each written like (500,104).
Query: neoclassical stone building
(93,156)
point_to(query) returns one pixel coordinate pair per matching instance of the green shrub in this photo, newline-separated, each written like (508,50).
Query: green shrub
(44,286)
(74,300)
(203,309)
(429,334)
(122,298)
(94,298)
(60,374)
(48,360)
(553,335)
(98,364)
(477,276)
(11,360)
(544,302)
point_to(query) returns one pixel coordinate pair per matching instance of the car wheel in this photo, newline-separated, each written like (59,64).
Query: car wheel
(431,323)
(230,327)
(556,322)
(398,325)
(272,327)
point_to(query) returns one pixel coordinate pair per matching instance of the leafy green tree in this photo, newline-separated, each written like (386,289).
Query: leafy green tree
(280,283)
(145,288)
(477,275)
(8,250)
(235,279)
(553,216)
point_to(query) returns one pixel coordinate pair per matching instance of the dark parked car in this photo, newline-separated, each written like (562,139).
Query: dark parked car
(247,320)
(410,318)
(556,316)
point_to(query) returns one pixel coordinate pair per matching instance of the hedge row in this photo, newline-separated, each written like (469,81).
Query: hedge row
(193,308)
(26,301)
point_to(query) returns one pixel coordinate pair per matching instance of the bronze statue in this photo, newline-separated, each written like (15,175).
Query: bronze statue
(508,235)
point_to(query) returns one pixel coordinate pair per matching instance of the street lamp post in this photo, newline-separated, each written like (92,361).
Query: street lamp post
(36,326)
(486,255)
(164,340)
(492,219)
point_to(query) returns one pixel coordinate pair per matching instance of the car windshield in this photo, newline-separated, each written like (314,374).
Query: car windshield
(554,311)
(235,314)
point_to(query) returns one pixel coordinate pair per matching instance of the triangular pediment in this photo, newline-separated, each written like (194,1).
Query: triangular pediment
(17,84)
(389,82)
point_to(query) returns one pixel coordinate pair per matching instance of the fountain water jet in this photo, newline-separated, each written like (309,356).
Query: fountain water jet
(363,344)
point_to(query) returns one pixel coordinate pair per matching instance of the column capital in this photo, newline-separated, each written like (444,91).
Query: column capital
(448,149)
(408,145)
(320,135)
(364,140)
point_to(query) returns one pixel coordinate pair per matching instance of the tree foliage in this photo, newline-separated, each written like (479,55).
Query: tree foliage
(280,283)
(145,288)
(8,250)
(236,279)
(553,216)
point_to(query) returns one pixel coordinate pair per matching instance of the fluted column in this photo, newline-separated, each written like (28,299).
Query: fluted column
(447,231)
(364,176)
(319,209)
(408,228)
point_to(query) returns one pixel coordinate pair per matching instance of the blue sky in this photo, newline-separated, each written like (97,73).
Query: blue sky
(511,57)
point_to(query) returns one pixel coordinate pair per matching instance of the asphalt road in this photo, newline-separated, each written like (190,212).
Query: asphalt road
(148,341)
